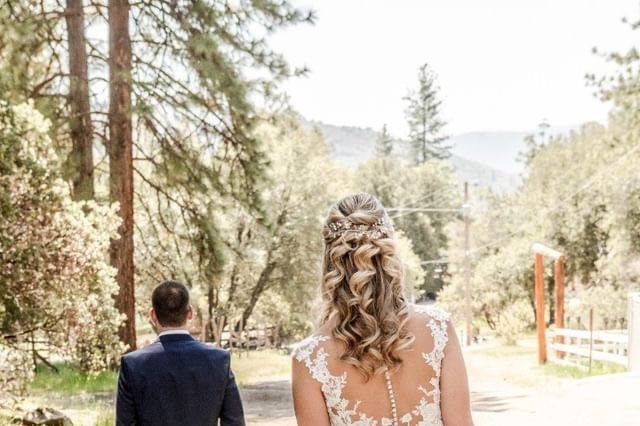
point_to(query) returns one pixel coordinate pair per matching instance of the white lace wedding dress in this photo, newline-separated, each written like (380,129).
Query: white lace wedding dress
(408,396)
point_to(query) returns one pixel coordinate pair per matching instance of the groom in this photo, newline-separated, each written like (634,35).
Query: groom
(176,380)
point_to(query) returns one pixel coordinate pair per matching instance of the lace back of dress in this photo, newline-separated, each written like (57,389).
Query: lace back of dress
(409,395)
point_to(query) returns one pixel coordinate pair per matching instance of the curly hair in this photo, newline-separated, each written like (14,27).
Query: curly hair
(362,285)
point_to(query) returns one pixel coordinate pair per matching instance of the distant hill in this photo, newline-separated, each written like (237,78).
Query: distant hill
(355,145)
(498,150)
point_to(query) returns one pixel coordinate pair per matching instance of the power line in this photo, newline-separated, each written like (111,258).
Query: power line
(434,202)
(425,209)
(437,197)
(562,204)
(440,197)
(434,262)
(405,212)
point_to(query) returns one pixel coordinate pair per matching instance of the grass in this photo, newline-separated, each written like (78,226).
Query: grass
(549,370)
(252,367)
(258,366)
(249,367)
(60,390)
(570,372)
(69,380)
(105,418)
(507,351)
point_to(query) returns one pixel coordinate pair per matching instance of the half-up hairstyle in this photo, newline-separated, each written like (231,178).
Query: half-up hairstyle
(362,285)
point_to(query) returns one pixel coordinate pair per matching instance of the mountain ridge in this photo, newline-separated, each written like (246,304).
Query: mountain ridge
(353,145)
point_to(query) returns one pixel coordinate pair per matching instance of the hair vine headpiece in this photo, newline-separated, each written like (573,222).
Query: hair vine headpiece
(381,228)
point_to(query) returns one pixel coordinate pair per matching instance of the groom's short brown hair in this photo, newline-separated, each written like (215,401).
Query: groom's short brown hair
(170,301)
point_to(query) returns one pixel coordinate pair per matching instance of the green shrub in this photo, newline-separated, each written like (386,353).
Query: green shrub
(513,321)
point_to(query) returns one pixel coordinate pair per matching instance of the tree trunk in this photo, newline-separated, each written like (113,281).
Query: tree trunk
(81,158)
(270,266)
(258,289)
(121,162)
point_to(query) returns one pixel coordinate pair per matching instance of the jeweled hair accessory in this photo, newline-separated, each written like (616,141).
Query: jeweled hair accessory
(381,229)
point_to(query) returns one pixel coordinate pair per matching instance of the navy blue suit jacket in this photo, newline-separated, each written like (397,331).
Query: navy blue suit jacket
(177,381)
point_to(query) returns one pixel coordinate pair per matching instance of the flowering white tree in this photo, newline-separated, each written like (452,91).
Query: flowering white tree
(56,285)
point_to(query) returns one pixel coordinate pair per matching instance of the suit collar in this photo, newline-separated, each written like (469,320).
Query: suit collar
(174,331)
(181,337)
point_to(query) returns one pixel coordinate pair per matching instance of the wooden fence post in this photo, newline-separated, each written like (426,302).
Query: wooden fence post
(633,323)
(590,339)
(558,275)
(539,299)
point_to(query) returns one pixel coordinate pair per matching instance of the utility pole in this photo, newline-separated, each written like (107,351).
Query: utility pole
(467,266)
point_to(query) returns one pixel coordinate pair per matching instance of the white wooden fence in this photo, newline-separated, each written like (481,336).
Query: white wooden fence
(578,347)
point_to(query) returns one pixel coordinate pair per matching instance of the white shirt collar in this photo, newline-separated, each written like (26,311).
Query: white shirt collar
(175,331)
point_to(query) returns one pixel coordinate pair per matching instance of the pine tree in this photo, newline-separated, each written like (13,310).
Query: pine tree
(80,125)
(384,143)
(120,148)
(423,116)
(188,76)
(534,142)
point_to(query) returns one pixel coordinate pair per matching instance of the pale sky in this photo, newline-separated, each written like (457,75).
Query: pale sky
(501,64)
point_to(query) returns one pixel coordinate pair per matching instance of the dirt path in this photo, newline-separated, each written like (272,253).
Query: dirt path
(505,390)
(513,391)
(269,403)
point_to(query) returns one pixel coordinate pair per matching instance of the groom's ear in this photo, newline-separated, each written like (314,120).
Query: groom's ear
(190,313)
(153,319)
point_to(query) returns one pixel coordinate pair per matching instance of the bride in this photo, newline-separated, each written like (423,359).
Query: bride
(376,360)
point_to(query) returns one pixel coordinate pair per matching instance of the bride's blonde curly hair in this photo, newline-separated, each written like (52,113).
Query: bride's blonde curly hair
(362,285)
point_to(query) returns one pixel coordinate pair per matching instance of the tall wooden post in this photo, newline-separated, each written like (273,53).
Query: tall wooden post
(539,299)
(559,285)
(540,251)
